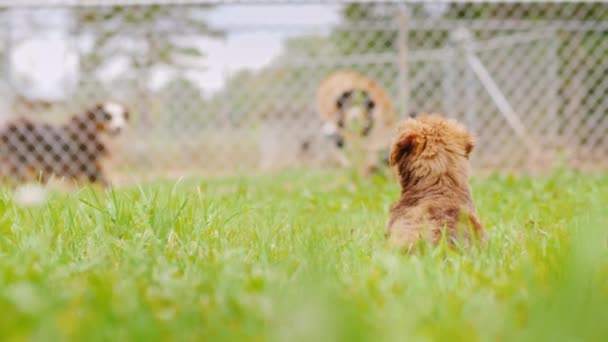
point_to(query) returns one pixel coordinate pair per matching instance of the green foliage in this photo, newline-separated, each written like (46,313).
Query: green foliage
(155,29)
(180,109)
(358,41)
(384,39)
(301,256)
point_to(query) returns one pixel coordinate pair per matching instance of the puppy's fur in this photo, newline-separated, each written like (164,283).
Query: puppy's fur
(431,158)
(35,151)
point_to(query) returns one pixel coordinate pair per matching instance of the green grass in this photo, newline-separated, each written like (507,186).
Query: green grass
(302,256)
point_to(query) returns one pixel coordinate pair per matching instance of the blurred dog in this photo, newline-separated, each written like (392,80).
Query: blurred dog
(32,151)
(431,158)
(357,111)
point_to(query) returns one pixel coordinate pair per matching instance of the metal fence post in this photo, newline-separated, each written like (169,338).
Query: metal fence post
(462,40)
(404,90)
(553,87)
(450,65)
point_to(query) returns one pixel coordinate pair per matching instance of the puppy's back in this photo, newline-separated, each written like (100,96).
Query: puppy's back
(431,157)
(430,220)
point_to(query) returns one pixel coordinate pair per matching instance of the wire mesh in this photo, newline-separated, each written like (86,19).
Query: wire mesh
(238,93)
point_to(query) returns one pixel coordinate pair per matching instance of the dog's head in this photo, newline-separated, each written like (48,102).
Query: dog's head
(109,117)
(332,131)
(430,146)
(353,112)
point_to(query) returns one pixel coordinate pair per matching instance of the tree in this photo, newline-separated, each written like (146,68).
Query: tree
(181,108)
(148,37)
(285,87)
(362,31)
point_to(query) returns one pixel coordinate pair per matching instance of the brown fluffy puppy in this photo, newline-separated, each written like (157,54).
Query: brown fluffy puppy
(431,157)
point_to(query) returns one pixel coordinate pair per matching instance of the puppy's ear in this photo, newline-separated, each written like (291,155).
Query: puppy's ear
(404,146)
(469,145)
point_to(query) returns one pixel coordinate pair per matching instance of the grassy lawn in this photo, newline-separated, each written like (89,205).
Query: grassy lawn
(301,256)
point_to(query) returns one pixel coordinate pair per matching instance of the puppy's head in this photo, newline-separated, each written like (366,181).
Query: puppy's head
(430,146)
(110,117)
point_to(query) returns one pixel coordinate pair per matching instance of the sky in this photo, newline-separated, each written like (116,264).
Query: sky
(255,35)
(254,40)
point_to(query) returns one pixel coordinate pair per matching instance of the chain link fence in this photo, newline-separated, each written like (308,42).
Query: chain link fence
(216,88)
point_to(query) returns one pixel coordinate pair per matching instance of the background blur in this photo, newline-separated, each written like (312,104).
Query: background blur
(218,88)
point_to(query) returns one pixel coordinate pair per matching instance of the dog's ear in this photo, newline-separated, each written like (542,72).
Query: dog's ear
(469,145)
(404,146)
(93,111)
(98,107)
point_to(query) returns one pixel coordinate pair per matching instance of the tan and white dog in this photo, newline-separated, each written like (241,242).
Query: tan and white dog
(359,116)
